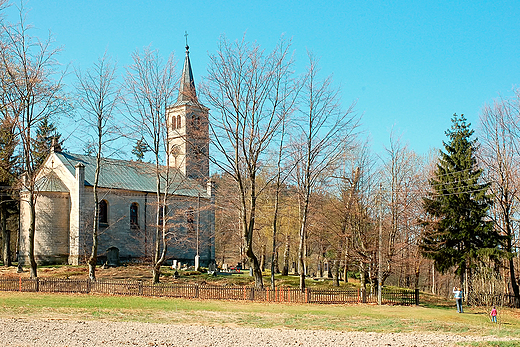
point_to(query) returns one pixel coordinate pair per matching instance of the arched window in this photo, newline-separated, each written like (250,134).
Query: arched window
(103,212)
(179,122)
(134,216)
(174,122)
(196,120)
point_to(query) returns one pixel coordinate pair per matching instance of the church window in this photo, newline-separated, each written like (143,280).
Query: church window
(196,120)
(134,216)
(190,221)
(179,122)
(103,212)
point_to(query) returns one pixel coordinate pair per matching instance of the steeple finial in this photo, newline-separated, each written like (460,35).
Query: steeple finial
(187,47)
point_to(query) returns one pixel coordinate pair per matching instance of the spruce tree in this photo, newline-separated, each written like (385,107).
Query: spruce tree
(140,149)
(8,172)
(458,205)
(45,132)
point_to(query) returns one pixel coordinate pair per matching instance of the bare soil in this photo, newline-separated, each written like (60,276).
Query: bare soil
(58,333)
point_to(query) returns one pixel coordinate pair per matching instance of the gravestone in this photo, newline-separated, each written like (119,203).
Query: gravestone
(212,269)
(113,256)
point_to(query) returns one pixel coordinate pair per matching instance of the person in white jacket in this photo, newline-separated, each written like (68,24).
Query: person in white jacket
(457,294)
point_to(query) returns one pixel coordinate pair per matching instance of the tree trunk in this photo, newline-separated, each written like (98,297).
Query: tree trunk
(417,275)
(285,269)
(262,259)
(301,256)
(276,266)
(335,273)
(303,238)
(92,261)
(32,227)
(345,270)
(362,281)
(6,235)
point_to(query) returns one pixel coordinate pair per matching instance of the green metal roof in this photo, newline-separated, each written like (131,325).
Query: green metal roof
(131,175)
(51,183)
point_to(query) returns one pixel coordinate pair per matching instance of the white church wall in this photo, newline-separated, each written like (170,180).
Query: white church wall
(51,229)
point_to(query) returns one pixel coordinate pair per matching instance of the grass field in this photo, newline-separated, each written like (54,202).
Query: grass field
(373,318)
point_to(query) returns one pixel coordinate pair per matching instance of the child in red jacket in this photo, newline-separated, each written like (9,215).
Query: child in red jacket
(493,314)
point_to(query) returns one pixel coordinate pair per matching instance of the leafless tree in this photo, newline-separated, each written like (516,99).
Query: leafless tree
(151,84)
(401,177)
(32,81)
(98,97)
(246,89)
(500,156)
(327,132)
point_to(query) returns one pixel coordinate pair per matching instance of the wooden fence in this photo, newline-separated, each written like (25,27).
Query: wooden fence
(280,294)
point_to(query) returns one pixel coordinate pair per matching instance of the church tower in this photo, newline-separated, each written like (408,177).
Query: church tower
(188,129)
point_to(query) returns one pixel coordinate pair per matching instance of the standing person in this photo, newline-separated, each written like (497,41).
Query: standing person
(457,294)
(493,314)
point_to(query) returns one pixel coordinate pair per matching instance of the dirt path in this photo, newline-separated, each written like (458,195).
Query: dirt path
(61,333)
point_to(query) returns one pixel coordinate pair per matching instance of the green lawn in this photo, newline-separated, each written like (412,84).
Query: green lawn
(430,318)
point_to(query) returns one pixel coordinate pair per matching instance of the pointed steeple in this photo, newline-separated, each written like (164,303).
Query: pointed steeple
(187,92)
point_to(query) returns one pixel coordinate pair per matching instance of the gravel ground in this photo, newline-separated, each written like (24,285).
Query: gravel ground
(61,333)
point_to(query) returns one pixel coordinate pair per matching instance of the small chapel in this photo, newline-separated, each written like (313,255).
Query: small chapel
(128,204)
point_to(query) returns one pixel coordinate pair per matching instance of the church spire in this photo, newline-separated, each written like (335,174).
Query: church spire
(187,91)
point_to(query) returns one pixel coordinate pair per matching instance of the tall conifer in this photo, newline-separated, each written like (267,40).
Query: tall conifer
(8,172)
(458,205)
(45,132)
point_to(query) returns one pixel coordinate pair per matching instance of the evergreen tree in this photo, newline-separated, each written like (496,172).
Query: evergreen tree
(140,149)
(459,227)
(8,173)
(45,133)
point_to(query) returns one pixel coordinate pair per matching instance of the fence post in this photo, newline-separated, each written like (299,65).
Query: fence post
(140,287)
(416,296)
(307,295)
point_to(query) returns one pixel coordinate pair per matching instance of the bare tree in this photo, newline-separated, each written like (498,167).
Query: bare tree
(327,132)
(500,155)
(32,84)
(246,88)
(228,240)
(98,97)
(401,179)
(151,86)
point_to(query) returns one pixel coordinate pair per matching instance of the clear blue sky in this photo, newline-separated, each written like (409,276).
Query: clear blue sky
(409,64)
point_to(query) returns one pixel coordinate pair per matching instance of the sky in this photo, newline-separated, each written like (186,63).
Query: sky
(408,65)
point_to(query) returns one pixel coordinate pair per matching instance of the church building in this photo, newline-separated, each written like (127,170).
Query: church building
(128,200)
